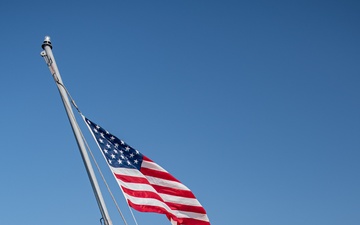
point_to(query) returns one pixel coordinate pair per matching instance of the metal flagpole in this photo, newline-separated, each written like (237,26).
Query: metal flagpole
(50,61)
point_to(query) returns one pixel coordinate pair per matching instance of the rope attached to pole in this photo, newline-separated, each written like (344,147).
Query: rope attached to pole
(92,155)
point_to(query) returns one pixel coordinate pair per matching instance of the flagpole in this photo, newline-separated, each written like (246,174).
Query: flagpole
(50,61)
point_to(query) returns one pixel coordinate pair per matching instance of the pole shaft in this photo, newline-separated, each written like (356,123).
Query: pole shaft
(75,128)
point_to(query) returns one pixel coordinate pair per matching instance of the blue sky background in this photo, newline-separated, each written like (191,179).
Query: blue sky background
(254,105)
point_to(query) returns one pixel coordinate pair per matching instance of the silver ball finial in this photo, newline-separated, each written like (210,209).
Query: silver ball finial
(46,42)
(47,38)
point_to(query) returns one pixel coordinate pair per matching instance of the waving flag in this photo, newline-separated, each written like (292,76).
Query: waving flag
(148,187)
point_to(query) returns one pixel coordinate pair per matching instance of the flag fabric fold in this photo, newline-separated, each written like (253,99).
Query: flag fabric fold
(147,187)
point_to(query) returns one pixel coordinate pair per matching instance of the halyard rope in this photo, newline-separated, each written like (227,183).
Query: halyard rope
(92,155)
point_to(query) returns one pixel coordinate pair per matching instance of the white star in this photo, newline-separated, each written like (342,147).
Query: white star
(108,146)
(102,135)
(109,161)
(95,130)
(88,121)
(97,127)
(122,142)
(112,138)
(116,145)
(121,152)
(136,161)
(127,148)
(137,152)
(116,152)
(101,140)
(122,156)
(119,161)
(128,162)
(106,151)
(112,156)
(107,132)
(131,155)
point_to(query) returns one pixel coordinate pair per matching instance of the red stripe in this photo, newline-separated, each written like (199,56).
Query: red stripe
(186,208)
(148,208)
(158,188)
(190,221)
(173,206)
(147,159)
(158,174)
(172,191)
(131,179)
(142,194)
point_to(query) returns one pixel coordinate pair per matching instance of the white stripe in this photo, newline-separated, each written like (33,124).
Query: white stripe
(173,222)
(180,200)
(165,197)
(177,213)
(127,172)
(136,186)
(152,165)
(166,183)
(152,180)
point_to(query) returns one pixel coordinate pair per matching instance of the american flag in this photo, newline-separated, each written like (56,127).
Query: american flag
(148,187)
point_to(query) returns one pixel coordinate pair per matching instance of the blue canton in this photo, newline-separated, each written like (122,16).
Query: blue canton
(116,151)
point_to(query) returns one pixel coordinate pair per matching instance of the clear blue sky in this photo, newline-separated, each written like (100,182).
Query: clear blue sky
(254,105)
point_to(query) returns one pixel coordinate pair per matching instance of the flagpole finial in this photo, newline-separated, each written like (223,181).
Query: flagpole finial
(46,42)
